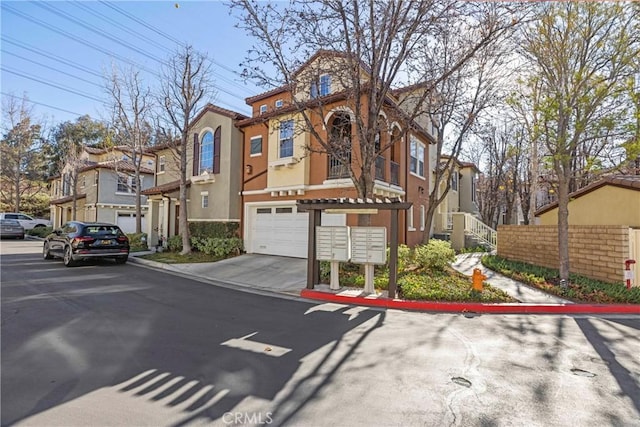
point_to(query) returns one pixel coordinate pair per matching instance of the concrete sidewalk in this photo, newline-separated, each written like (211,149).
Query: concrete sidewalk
(284,276)
(465,263)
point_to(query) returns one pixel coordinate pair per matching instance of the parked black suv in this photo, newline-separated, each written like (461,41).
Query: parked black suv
(76,241)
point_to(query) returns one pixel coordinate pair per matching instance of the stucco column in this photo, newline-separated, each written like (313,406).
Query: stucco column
(457,234)
(153,222)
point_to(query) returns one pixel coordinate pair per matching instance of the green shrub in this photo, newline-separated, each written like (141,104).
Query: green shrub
(441,286)
(137,241)
(174,243)
(219,247)
(220,230)
(582,289)
(405,257)
(435,255)
(40,231)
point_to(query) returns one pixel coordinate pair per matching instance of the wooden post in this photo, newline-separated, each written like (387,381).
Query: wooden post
(393,254)
(313,265)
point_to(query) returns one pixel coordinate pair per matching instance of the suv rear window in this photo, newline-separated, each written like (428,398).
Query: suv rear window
(97,230)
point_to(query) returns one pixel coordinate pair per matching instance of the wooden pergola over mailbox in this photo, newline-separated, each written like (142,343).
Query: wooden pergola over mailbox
(315,208)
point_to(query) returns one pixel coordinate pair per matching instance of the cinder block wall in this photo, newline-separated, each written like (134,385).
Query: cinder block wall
(595,251)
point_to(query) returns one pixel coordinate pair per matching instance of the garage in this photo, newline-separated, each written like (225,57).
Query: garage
(127,222)
(281,229)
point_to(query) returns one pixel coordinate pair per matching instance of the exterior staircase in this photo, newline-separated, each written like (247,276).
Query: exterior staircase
(476,233)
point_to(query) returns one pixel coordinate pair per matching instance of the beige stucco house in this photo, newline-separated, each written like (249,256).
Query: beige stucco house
(214,159)
(614,200)
(105,188)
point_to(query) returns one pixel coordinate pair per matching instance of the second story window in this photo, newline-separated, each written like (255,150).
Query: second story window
(321,87)
(206,153)
(256,146)
(123,184)
(286,139)
(454,181)
(263,108)
(417,157)
(162,161)
(82,181)
(279,103)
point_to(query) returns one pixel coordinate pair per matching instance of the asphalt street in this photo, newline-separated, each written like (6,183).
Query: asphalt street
(104,344)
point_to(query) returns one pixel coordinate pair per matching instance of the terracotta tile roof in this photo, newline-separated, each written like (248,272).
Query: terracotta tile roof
(66,199)
(630,182)
(120,165)
(164,188)
(266,94)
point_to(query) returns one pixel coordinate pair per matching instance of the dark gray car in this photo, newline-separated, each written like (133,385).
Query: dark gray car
(76,241)
(11,228)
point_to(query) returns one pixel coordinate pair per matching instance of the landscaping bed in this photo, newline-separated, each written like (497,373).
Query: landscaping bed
(581,289)
(424,274)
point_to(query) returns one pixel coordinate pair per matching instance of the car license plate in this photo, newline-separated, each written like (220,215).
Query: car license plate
(105,242)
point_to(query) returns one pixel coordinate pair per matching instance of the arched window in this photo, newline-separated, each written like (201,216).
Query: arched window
(206,153)
(340,146)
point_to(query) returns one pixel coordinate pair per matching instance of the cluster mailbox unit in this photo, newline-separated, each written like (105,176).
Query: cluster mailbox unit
(361,245)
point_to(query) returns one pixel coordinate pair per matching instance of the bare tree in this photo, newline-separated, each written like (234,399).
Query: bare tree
(374,45)
(70,139)
(584,55)
(131,107)
(21,148)
(186,85)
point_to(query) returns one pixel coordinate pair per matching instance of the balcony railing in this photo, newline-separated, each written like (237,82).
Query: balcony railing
(380,168)
(395,173)
(337,169)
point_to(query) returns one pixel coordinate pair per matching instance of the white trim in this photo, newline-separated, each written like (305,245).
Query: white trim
(422,217)
(212,220)
(342,109)
(418,176)
(326,185)
(410,224)
(119,206)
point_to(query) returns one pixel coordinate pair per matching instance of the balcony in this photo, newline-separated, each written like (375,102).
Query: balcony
(337,170)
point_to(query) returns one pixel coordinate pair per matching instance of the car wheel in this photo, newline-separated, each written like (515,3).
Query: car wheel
(121,259)
(68,257)
(45,252)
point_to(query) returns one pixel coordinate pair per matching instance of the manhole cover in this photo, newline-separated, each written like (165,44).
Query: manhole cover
(582,373)
(461,381)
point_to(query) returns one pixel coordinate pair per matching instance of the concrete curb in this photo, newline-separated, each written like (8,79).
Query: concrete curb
(473,307)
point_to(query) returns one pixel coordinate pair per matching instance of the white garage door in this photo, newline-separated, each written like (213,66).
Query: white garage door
(281,230)
(127,222)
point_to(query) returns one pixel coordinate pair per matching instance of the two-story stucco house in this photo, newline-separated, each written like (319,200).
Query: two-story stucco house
(214,159)
(461,197)
(283,162)
(105,188)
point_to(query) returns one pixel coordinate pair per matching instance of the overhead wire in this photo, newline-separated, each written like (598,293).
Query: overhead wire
(48,83)
(75,20)
(41,103)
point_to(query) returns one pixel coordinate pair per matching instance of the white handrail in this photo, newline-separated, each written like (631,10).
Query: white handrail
(481,230)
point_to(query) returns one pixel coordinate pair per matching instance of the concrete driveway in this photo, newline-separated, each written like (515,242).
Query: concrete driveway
(267,272)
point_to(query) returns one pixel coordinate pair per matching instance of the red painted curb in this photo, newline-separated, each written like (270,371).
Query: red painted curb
(476,307)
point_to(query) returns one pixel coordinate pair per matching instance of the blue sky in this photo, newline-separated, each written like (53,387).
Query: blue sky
(57,52)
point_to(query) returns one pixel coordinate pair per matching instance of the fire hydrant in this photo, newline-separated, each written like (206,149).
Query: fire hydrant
(477,278)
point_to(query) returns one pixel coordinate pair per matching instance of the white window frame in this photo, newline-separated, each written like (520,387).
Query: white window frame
(281,139)
(263,108)
(414,153)
(205,201)
(130,191)
(162,163)
(279,103)
(251,146)
(410,219)
(455,181)
(422,217)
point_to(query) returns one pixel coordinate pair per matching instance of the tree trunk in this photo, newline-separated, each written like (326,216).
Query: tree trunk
(184,223)
(563,227)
